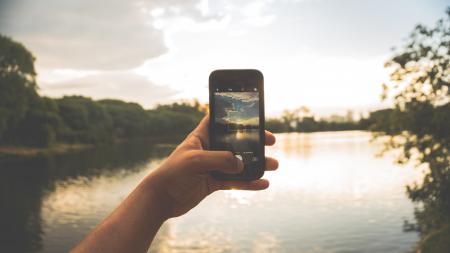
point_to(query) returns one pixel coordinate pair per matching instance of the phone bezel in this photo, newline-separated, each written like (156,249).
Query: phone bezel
(237,78)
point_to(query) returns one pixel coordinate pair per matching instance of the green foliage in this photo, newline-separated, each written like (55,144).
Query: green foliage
(39,126)
(420,122)
(24,118)
(16,59)
(424,65)
(84,120)
(175,118)
(384,120)
(15,99)
(301,120)
(276,126)
(129,120)
(17,83)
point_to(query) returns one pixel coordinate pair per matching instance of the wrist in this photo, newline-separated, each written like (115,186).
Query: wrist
(157,199)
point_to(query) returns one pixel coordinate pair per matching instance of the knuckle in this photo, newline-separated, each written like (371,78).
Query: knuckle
(194,157)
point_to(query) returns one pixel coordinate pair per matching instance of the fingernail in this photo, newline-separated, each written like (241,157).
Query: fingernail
(240,163)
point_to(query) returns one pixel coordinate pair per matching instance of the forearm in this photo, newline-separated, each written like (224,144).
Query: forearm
(131,227)
(171,190)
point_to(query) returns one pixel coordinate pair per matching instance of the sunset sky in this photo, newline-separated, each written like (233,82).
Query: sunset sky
(237,107)
(324,54)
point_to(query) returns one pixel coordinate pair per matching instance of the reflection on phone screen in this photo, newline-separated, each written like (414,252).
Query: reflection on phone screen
(237,122)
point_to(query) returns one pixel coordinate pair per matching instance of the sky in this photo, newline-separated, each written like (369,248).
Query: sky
(237,107)
(327,55)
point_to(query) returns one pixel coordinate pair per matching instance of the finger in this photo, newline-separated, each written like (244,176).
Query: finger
(202,131)
(224,161)
(270,138)
(271,163)
(254,185)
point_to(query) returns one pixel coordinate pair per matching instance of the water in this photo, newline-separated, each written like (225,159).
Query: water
(331,194)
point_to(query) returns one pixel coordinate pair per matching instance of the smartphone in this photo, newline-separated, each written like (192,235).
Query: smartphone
(236,107)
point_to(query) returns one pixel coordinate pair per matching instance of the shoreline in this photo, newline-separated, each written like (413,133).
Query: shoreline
(22,151)
(63,148)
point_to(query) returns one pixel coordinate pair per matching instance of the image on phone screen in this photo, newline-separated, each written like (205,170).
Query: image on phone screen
(237,123)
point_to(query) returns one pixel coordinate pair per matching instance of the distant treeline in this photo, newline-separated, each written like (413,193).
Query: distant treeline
(310,124)
(76,119)
(302,120)
(27,119)
(390,120)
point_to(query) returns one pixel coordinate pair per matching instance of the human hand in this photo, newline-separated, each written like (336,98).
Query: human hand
(183,179)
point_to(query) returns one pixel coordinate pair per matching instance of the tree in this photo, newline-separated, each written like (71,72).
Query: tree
(290,119)
(84,120)
(129,119)
(40,124)
(420,80)
(16,59)
(276,125)
(176,118)
(17,84)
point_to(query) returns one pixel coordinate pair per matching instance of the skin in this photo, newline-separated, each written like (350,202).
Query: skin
(171,190)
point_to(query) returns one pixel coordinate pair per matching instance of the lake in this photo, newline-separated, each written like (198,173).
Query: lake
(330,194)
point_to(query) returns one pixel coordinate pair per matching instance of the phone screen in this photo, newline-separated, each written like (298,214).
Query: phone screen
(237,121)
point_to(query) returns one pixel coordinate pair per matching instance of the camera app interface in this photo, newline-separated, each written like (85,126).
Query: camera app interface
(237,123)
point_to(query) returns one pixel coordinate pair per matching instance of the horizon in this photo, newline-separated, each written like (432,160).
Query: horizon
(157,52)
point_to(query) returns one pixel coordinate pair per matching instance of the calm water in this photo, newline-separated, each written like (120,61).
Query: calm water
(331,194)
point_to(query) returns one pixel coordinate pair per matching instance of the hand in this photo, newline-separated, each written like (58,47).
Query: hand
(175,187)
(183,179)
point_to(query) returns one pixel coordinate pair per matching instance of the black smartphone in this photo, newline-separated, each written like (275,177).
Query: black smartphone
(236,107)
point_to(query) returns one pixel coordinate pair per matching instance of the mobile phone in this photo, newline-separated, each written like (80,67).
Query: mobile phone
(236,107)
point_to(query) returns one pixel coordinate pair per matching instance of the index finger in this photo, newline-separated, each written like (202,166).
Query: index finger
(202,131)
(270,138)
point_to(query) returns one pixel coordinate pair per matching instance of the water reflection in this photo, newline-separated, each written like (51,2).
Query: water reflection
(331,194)
(48,203)
(20,211)
(340,164)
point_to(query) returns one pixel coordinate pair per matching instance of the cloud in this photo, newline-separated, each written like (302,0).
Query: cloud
(243,97)
(101,35)
(256,14)
(116,34)
(222,107)
(237,107)
(86,47)
(122,85)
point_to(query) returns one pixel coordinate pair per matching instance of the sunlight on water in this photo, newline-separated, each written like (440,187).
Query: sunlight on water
(240,135)
(336,164)
(240,197)
(330,194)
